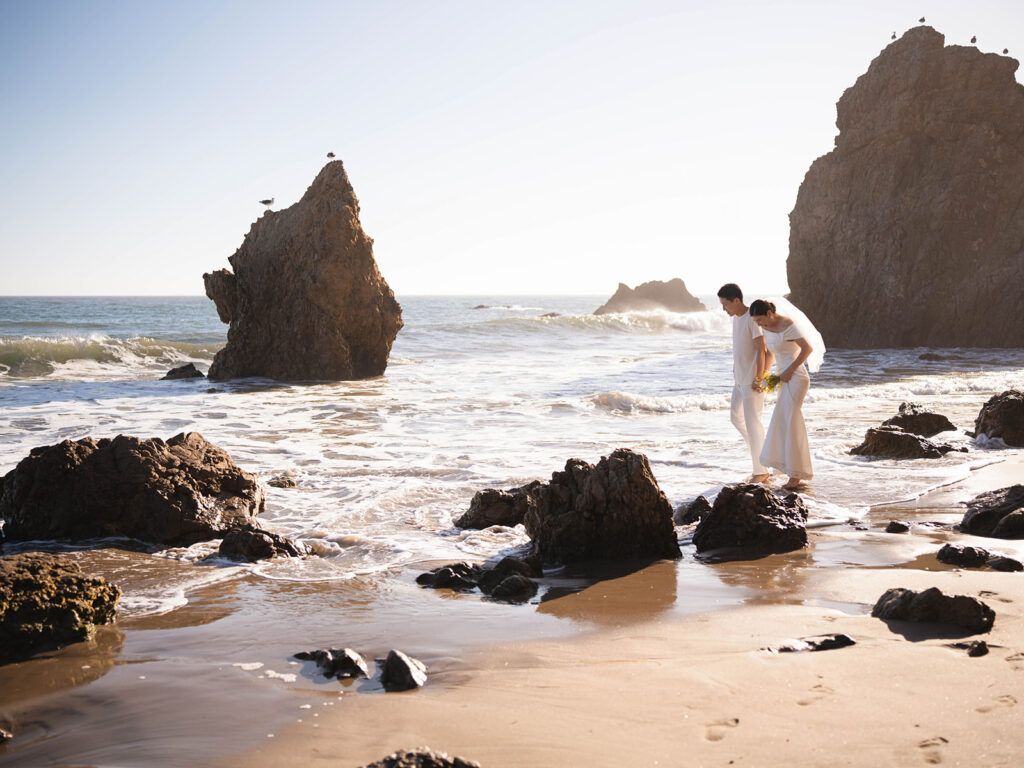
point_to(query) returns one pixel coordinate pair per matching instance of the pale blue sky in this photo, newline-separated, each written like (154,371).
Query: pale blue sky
(496,147)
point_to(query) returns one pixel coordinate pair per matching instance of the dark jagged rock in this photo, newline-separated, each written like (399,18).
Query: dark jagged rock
(1005,564)
(655,294)
(613,510)
(908,233)
(693,512)
(919,420)
(965,557)
(511,579)
(515,588)
(46,602)
(423,757)
(528,569)
(819,643)
(977,648)
(252,543)
(176,492)
(493,507)
(458,576)
(999,514)
(751,517)
(894,443)
(931,605)
(306,300)
(897,526)
(1003,417)
(337,662)
(188,371)
(402,673)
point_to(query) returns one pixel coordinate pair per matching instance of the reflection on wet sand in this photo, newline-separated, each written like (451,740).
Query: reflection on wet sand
(599,593)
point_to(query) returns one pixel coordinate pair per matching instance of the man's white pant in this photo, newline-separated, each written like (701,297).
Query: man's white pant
(746,417)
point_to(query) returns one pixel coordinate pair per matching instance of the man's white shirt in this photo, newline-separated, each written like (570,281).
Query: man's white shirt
(744,350)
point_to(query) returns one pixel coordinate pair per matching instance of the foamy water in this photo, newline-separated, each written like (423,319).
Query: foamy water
(472,398)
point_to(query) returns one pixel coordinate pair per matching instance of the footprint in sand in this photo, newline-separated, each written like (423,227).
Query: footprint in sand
(999,701)
(818,693)
(931,749)
(717,730)
(1016,661)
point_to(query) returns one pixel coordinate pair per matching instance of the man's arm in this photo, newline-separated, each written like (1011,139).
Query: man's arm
(761,362)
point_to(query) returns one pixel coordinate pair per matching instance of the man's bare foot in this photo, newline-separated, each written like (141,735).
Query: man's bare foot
(760,478)
(792,484)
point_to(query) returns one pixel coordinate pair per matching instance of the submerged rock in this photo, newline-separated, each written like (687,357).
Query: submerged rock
(614,510)
(655,294)
(931,605)
(751,517)
(423,757)
(919,420)
(1003,417)
(283,480)
(188,371)
(252,543)
(341,663)
(176,492)
(493,507)
(909,232)
(897,526)
(894,443)
(693,512)
(999,514)
(402,673)
(46,602)
(306,300)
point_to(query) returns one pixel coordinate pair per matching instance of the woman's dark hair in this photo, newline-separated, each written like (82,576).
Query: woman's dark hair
(730,291)
(761,307)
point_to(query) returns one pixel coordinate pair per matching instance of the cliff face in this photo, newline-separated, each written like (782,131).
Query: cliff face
(911,231)
(656,294)
(306,300)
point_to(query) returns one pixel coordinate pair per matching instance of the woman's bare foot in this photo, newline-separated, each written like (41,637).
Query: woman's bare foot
(760,478)
(792,484)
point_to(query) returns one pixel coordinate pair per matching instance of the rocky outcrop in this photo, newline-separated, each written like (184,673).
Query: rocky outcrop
(693,512)
(252,543)
(931,605)
(306,300)
(424,757)
(656,294)
(919,420)
(894,443)
(999,514)
(402,673)
(909,233)
(187,371)
(493,507)
(965,557)
(1003,417)
(340,663)
(46,602)
(176,492)
(750,517)
(614,510)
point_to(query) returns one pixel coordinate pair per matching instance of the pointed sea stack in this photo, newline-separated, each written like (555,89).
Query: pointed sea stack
(911,231)
(652,295)
(306,300)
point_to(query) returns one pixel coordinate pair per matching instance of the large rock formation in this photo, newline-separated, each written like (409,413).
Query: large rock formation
(911,231)
(46,602)
(614,510)
(306,300)
(1003,417)
(748,516)
(176,492)
(656,294)
(919,420)
(999,514)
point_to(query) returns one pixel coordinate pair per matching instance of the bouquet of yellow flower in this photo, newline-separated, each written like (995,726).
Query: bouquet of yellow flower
(769,382)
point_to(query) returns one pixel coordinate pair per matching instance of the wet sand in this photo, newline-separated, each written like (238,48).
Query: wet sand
(637,664)
(665,689)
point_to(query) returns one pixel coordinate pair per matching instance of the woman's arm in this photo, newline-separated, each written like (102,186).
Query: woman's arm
(805,352)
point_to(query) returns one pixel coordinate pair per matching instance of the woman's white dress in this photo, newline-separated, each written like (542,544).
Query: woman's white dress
(785,444)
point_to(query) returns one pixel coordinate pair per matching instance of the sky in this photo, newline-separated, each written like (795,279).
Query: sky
(555,147)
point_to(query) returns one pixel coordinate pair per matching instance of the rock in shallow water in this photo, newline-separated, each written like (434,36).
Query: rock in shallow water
(919,420)
(998,513)
(188,371)
(1003,417)
(933,606)
(46,602)
(341,663)
(306,300)
(966,557)
(176,492)
(894,443)
(423,757)
(693,512)
(897,526)
(493,507)
(252,543)
(751,517)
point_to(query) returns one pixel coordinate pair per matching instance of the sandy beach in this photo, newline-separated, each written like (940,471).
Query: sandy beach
(700,690)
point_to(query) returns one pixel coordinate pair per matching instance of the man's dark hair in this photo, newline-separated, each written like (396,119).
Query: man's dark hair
(730,291)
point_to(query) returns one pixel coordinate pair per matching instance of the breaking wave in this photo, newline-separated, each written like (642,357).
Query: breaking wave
(34,356)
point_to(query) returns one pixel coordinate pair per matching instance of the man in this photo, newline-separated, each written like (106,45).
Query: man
(748,363)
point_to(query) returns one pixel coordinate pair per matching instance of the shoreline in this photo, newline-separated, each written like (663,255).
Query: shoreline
(698,690)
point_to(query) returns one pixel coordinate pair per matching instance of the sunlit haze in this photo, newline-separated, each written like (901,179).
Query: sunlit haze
(526,147)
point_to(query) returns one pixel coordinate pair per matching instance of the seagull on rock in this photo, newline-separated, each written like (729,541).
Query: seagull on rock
(974,40)
(893,35)
(1005,51)
(921,19)
(267,203)
(330,154)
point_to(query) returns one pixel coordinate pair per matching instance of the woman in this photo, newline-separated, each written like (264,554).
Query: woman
(792,341)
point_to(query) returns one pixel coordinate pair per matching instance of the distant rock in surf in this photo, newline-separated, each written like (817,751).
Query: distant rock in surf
(306,300)
(252,543)
(176,492)
(656,294)
(1003,417)
(919,420)
(893,443)
(908,233)
(494,507)
(187,371)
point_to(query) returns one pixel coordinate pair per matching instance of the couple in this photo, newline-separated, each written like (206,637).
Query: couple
(761,335)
